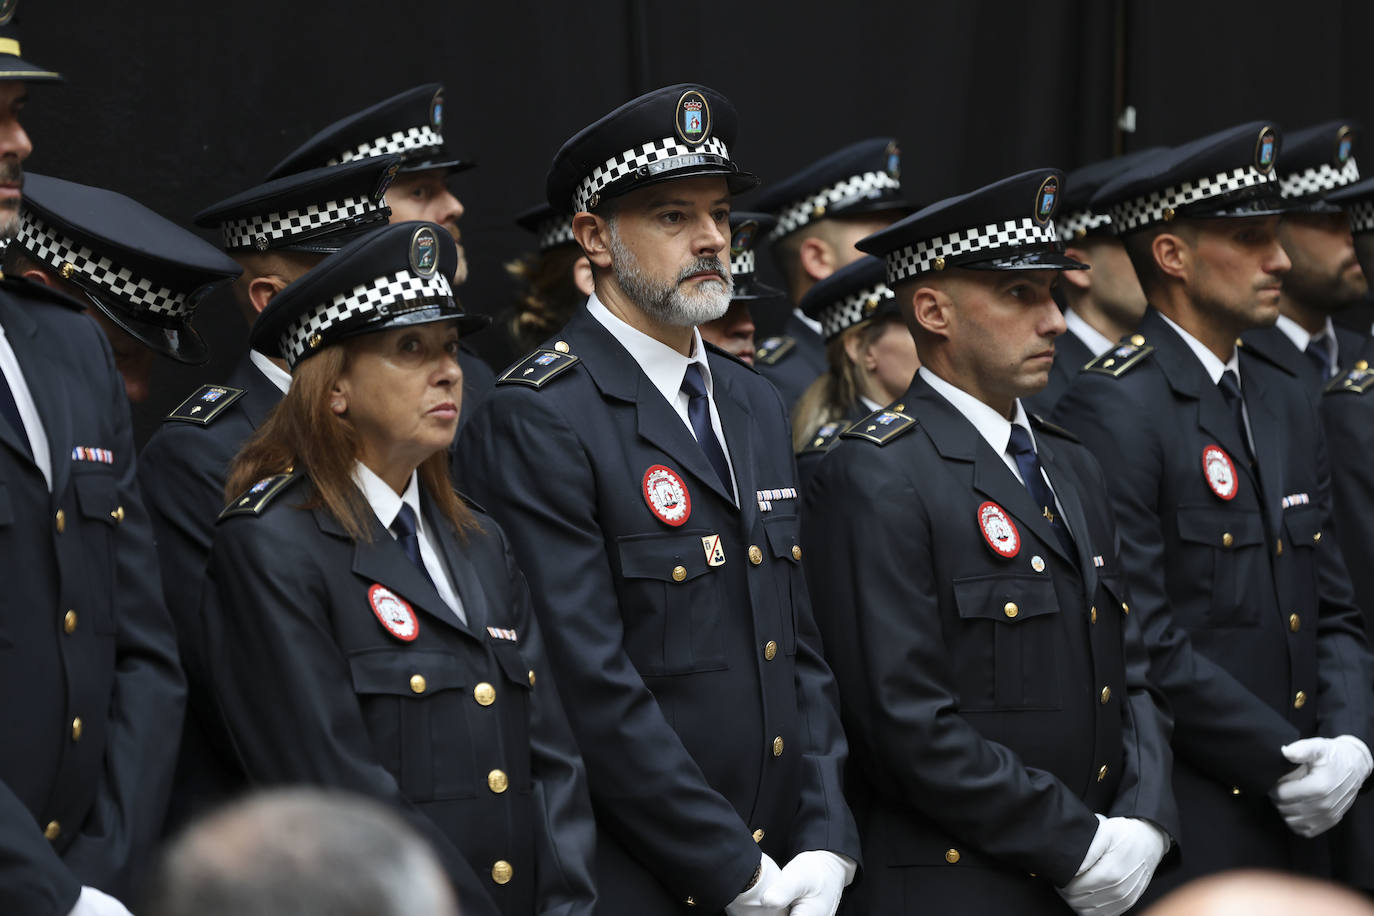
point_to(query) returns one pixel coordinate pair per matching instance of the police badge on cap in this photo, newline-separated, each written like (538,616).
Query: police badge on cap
(424,252)
(1046,198)
(693,118)
(1266,147)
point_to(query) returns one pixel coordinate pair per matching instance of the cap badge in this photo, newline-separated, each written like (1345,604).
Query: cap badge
(1345,144)
(667,496)
(1266,150)
(7,8)
(393,612)
(1046,199)
(424,252)
(436,112)
(693,119)
(1219,472)
(743,238)
(894,161)
(999,530)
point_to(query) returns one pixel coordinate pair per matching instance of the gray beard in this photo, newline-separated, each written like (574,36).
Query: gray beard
(671,303)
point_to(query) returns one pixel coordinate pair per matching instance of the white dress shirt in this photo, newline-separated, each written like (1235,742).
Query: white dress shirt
(28,410)
(1215,368)
(1096,342)
(275,374)
(810,322)
(666,368)
(387,505)
(1296,333)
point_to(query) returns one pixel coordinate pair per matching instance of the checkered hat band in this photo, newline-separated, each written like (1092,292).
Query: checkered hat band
(742,263)
(1143,211)
(617,167)
(276,227)
(857,187)
(555,232)
(1361,215)
(849,311)
(375,297)
(920,258)
(55,250)
(1322,178)
(407,143)
(1068,226)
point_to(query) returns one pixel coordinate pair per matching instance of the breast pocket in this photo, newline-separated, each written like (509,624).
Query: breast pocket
(1005,653)
(415,705)
(97,501)
(1223,555)
(785,547)
(672,604)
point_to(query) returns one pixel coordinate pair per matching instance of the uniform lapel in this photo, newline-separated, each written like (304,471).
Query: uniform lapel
(1265,431)
(464,574)
(47,381)
(739,442)
(382,560)
(1065,487)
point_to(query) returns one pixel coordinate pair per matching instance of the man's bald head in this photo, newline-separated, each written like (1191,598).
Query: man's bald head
(1257,893)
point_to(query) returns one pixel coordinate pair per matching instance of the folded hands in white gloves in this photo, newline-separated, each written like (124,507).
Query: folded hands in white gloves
(1315,795)
(1120,862)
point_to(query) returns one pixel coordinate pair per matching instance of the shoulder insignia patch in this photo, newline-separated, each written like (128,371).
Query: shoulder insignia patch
(205,404)
(880,427)
(537,369)
(1357,380)
(1040,422)
(1119,360)
(772,350)
(825,437)
(259,495)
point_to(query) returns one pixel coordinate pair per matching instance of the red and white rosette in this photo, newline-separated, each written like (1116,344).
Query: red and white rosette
(1219,472)
(667,495)
(394,613)
(999,530)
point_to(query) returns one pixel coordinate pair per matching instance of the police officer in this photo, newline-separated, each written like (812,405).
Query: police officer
(1325,277)
(370,630)
(821,211)
(554,281)
(1220,490)
(733,332)
(276,231)
(1008,749)
(1100,304)
(647,485)
(90,687)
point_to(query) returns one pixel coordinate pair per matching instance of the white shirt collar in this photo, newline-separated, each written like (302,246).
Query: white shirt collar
(664,366)
(384,501)
(810,322)
(1210,361)
(1296,333)
(1096,342)
(991,425)
(275,374)
(869,402)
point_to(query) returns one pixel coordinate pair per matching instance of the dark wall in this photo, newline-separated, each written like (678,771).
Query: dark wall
(180,104)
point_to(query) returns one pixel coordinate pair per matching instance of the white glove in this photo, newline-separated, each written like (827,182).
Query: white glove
(750,903)
(97,903)
(1120,862)
(1317,793)
(811,884)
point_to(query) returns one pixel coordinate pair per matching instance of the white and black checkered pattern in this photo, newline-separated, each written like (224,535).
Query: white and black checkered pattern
(1322,178)
(278,227)
(1144,211)
(849,311)
(1361,215)
(554,232)
(742,263)
(377,296)
(856,187)
(617,167)
(55,250)
(920,258)
(1068,226)
(406,143)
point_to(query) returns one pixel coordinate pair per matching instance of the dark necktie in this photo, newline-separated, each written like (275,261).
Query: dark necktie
(405,530)
(1319,351)
(1230,391)
(10,410)
(1028,463)
(699,413)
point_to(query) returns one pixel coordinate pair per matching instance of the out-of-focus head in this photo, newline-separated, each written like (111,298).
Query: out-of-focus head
(1257,893)
(734,331)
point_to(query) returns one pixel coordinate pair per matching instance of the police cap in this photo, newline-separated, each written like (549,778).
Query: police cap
(864,177)
(1077,218)
(1316,161)
(12,66)
(745,230)
(852,295)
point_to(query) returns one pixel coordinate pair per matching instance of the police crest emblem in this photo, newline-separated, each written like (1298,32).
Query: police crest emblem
(1219,472)
(1266,150)
(393,612)
(667,496)
(1046,199)
(1345,145)
(999,530)
(693,118)
(743,239)
(424,252)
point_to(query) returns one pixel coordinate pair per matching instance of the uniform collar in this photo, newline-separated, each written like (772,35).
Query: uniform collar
(275,374)
(1092,338)
(810,322)
(1296,333)
(384,501)
(664,366)
(1211,364)
(993,427)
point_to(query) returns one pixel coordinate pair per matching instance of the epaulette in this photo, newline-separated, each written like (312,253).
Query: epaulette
(721,351)
(825,437)
(1040,422)
(1356,380)
(772,350)
(207,403)
(1122,358)
(259,495)
(880,427)
(537,369)
(23,287)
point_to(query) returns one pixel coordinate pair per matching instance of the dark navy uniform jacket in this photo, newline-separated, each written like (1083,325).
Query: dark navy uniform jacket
(994,702)
(810,455)
(1245,602)
(798,365)
(1070,356)
(1279,347)
(461,729)
(91,694)
(697,692)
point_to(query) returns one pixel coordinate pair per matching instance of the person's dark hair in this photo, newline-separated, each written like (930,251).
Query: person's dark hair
(549,297)
(829,398)
(1139,248)
(16,261)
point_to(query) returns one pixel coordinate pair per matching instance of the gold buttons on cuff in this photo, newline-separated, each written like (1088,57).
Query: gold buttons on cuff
(770,650)
(777,746)
(1092,615)
(1106,694)
(679,573)
(1300,699)
(1010,609)
(52,831)
(417,683)
(61,521)
(531,677)
(1227,540)
(69,622)
(758,835)
(1294,622)
(1102,773)
(755,555)
(561,346)
(118,514)
(484,694)
(796,552)
(497,781)
(76,729)
(952,856)
(502,872)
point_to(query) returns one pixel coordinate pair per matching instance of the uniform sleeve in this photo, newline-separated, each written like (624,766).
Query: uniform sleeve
(1349,423)
(871,543)
(149,694)
(284,689)
(1219,725)
(521,459)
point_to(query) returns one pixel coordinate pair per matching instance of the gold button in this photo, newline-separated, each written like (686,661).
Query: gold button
(1125,608)
(1316,538)
(777,746)
(1168,214)
(1294,622)
(69,622)
(76,729)
(1138,340)
(315,341)
(1010,609)
(1300,700)
(531,677)
(1227,540)
(61,521)
(1102,773)
(1092,615)
(679,573)
(497,781)
(561,346)
(484,694)
(755,555)
(1278,548)
(690,901)
(1361,365)
(118,514)
(758,835)
(939,263)
(952,856)
(1235,790)
(67,269)
(501,872)
(770,650)
(417,683)
(796,552)
(1106,694)
(52,831)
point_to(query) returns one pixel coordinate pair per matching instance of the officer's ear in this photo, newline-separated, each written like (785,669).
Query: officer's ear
(931,310)
(264,289)
(1173,255)
(38,276)
(1078,278)
(593,233)
(817,258)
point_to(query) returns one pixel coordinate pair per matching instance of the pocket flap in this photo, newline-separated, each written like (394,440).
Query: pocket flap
(395,671)
(1304,524)
(1009,598)
(782,537)
(512,663)
(1220,527)
(96,497)
(661,556)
